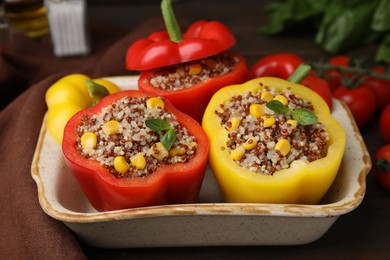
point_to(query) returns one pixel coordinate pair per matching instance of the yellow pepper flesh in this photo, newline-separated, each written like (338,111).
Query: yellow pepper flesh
(78,81)
(57,117)
(66,97)
(304,183)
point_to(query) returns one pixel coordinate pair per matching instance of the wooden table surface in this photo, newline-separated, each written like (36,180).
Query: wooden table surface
(362,234)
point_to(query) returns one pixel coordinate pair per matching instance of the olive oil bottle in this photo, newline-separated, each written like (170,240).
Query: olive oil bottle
(27,16)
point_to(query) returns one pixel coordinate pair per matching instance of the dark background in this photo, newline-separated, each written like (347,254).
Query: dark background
(361,234)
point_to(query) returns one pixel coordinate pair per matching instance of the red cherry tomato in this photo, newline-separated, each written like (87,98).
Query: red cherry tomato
(382,166)
(361,101)
(280,65)
(333,77)
(340,60)
(380,87)
(384,123)
(320,86)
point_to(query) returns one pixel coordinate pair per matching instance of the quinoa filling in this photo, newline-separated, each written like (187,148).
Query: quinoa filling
(264,141)
(118,138)
(185,75)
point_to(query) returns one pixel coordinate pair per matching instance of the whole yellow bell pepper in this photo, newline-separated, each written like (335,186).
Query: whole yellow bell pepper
(302,182)
(66,97)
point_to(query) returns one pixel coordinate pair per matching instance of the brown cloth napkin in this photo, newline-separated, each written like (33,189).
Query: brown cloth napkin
(27,69)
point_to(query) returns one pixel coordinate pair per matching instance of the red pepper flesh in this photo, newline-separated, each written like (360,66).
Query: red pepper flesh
(193,100)
(169,184)
(202,39)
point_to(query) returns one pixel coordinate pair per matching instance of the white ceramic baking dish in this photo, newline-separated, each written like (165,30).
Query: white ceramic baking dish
(210,221)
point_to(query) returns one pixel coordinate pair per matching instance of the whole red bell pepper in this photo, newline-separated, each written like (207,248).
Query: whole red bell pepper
(169,184)
(320,86)
(167,48)
(202,39)
(279,65)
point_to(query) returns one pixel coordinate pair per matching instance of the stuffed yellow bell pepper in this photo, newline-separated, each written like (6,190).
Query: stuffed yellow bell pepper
(264,150)
(69,95)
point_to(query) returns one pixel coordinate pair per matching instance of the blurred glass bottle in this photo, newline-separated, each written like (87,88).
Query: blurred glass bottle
(27,16)
(4,28)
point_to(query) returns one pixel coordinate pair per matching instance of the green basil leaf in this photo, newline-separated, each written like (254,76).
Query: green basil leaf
(278,107)
(304,116)
(168,139)
(96,91)
(292,15)
(157,124)
(278,16)
(346,24)
(381,18)
(383,52)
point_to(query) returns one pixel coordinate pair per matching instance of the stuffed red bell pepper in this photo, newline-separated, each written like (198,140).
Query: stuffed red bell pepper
(187,68)
(135,150)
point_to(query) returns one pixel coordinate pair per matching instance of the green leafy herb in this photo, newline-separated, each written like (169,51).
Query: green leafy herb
(337,25)
(346,25)
(160,125)
(302,115)
(381,18)
(383,53)
(278,107)
(287,15)
(168,139)
(157,124)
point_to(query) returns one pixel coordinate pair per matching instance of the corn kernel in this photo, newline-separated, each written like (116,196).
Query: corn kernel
(88,140)
(194,69)
(121,165)
(283,145)
(234,123)
(177,151)
(237,153)
(266,96)
(111,127)
(155,102)
(250,143)
(256,110)
(268,120)
(292,122)
(138,161)
(282,99)
(192,145)
(158,151)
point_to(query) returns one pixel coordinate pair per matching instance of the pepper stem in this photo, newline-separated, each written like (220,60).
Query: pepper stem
(171,24)
(300,73)
(96,91)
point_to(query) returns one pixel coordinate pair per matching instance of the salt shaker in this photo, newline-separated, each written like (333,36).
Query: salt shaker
(68,27)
